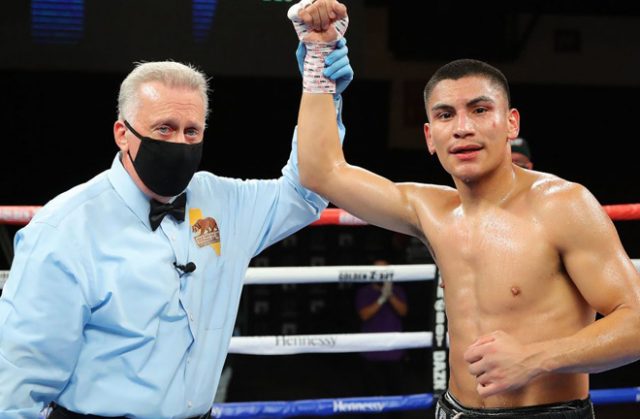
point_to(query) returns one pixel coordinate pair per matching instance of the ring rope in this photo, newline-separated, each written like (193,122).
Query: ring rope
(17,214)
(22,214)
(328,407)
(338,216)
(328,343)
(321,407)
(345,273)
(327,274)
(623,212)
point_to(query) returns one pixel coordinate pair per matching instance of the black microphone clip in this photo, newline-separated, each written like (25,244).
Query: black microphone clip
(186,269)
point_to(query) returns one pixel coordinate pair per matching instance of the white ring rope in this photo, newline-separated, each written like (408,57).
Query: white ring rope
(317,274)
(334,343)
(322,274)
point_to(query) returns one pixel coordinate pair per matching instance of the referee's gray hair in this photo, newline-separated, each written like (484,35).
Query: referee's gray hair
(169,73)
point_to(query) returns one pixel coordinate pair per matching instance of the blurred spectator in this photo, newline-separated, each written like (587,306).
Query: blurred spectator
(520,153)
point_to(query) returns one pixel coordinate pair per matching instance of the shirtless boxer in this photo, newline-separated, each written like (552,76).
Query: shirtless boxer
(527,258)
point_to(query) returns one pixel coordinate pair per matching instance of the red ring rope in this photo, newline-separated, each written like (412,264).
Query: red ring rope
(22,214)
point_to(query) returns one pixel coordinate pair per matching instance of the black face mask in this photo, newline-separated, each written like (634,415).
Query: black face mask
(164,167)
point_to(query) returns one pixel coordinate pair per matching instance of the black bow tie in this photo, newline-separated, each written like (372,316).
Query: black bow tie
(158,210)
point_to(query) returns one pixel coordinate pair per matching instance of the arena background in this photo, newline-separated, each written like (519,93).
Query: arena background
(574,69)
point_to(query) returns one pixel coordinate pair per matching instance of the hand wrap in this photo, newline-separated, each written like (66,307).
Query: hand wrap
(313,81)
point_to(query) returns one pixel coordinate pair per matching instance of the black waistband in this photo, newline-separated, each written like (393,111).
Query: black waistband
(59,412)
(574,409)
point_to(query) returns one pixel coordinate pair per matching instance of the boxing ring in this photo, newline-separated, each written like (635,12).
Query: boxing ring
(343,343)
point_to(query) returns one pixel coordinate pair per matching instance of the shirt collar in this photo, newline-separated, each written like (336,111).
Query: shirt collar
(132,196)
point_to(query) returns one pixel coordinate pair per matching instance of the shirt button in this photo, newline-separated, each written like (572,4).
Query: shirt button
(190,316)
(189,404)
(173,238)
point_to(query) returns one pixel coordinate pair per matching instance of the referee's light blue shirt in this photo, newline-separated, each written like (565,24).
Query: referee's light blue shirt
(95,317)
